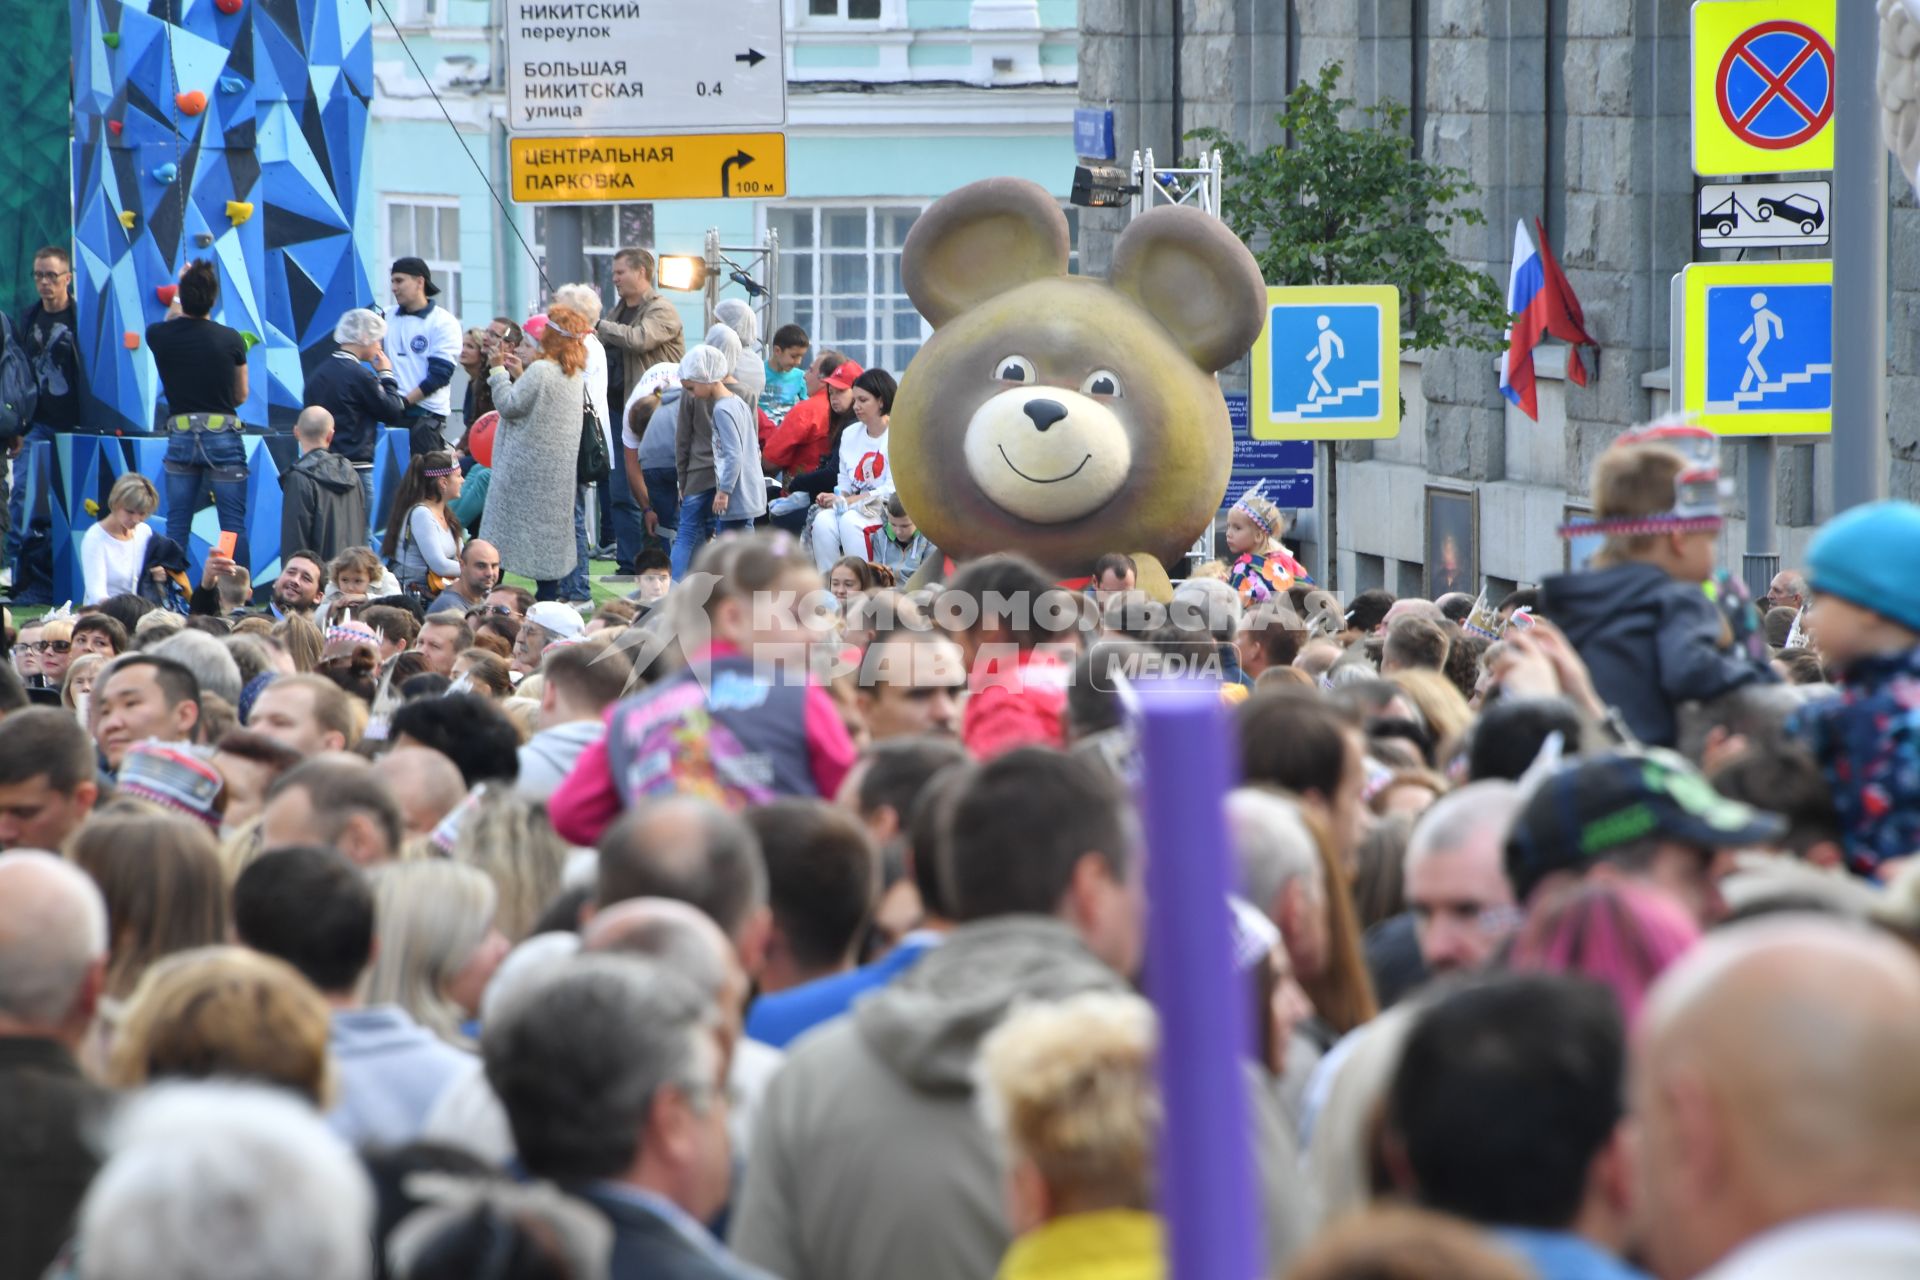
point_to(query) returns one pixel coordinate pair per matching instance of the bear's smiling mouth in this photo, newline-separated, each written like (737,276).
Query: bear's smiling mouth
(1035,479)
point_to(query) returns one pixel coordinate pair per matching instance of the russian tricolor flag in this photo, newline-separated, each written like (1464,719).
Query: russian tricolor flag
(1542,304)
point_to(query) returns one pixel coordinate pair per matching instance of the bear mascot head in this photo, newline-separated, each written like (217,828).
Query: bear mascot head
(1062,416)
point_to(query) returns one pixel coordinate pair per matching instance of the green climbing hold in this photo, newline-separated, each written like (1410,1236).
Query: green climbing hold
(111,39)
(249,339)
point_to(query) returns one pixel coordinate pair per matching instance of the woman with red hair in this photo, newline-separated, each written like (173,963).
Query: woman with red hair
(536,449)
(1620,935)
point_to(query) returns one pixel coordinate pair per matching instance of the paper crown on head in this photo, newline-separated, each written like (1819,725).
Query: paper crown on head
(174,776)
(1484,620)
(1697,490)
(1244,505)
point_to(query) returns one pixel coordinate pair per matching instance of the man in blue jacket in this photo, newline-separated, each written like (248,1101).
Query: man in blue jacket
(356,384)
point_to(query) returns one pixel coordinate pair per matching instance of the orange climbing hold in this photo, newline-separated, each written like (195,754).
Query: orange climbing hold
(193,102)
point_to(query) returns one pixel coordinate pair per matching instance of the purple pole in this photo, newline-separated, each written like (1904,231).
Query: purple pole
(1206,1169)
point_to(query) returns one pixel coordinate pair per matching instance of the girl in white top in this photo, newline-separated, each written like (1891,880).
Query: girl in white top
(848,517)
(114,551)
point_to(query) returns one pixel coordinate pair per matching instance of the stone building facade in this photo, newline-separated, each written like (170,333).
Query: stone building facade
(1575,111)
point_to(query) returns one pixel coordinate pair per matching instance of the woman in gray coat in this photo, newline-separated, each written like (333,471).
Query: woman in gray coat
(536,454)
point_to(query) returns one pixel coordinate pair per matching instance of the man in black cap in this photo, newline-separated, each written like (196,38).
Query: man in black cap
(423,343)
(1641,815)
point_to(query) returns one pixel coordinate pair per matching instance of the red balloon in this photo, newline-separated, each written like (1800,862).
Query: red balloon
(480,438)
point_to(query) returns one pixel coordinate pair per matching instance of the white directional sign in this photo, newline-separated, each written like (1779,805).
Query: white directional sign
(645,66)
(1756,215)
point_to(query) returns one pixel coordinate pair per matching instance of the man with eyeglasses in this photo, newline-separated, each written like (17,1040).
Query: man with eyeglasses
(47,328)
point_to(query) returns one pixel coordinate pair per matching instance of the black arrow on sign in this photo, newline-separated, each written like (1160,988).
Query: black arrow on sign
(740,158)
(752,57)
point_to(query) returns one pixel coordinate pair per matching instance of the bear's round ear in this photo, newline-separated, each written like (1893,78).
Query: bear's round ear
(1196,278)
(982,240)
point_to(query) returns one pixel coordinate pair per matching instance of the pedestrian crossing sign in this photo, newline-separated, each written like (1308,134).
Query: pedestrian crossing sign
(1758,342)
(1327,364)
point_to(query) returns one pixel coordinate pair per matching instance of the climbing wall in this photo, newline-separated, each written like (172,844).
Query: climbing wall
(232,130)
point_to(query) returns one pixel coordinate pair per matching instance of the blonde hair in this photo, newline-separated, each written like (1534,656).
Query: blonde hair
(431,916)
(61,628)
(524,714)
(157,622)
(508,837)
(133,492)
(1631,482)
(1069,1088)
(83,665)
(1268,515)
(1438,701)
(228,1012)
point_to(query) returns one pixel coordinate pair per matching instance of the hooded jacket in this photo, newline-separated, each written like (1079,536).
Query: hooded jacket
(869,1159)
(321,506)
(549,756)
(1650,641)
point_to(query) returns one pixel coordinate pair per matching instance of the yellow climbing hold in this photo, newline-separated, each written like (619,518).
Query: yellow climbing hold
(126,218)
(238,211)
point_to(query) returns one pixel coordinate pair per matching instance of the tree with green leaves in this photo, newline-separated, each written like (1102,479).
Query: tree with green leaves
(1355,205)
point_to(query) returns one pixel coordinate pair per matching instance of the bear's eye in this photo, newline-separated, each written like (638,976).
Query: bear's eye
(1102,382)
(1015,369)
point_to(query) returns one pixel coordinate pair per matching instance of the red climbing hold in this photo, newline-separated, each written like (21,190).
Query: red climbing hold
(228,6)
(193,102)
(166,293)
(115,126)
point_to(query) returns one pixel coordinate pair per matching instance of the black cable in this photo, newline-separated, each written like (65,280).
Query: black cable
(427,80)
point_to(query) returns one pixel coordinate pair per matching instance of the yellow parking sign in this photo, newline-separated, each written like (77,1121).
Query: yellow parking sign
(1763,86)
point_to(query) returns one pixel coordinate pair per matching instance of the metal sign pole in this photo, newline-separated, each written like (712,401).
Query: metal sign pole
(566,237)
(1860,459)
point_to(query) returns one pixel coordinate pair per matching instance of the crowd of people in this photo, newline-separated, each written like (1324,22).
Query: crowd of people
(785,916)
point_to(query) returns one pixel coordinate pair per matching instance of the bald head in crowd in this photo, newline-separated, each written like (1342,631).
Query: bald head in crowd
(426,784)
(696,853)
(684,939)
(1774,1081)
(53,948)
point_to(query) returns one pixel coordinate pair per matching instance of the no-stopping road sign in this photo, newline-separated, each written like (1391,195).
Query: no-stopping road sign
(1763,86)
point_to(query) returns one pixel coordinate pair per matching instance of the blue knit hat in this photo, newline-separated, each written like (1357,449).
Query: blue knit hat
(1870,556)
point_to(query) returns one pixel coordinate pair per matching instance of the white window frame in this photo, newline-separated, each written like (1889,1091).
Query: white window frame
(880,352)
(591,251)
(419,13)
(444,269)
(893,16)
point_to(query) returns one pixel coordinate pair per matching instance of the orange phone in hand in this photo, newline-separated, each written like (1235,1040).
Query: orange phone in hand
(229,542)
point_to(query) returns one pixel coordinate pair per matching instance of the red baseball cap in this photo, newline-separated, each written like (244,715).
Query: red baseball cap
(843,376)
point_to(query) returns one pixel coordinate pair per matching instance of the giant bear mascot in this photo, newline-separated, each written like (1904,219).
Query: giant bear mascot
(1061,416)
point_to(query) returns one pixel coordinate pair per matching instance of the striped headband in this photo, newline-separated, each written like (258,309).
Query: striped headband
(439,471)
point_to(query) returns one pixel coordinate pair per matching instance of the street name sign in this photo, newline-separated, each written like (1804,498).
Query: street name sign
(668,167)
(645,66)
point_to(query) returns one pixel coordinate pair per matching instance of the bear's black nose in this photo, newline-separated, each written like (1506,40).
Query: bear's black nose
(1045,412)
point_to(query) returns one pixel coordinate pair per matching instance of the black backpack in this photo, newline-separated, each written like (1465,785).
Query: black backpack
(19,387)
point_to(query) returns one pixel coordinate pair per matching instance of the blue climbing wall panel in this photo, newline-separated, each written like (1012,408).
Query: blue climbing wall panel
(232,130)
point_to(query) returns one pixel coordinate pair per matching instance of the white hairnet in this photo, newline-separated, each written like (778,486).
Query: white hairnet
(726,342)
(739,316)
(358,326)
(705,364)
(656,379)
